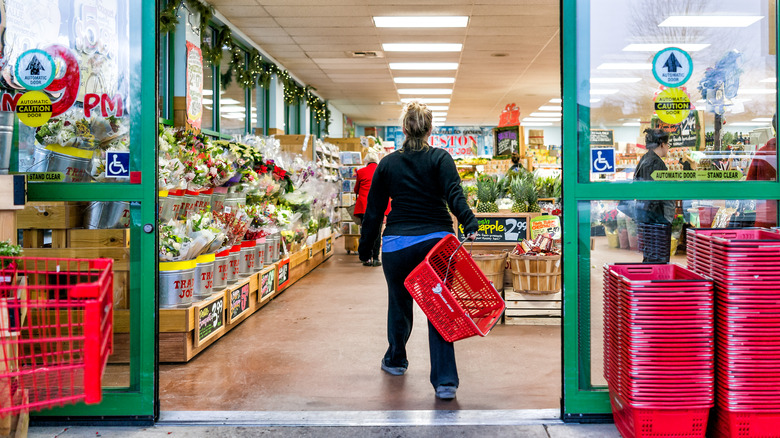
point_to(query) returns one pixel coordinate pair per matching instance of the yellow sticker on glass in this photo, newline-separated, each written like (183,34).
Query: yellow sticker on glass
(34,108)
(672,105)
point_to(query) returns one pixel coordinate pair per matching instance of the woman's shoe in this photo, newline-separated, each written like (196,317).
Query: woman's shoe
(446,392)
(368,263)
(377,262)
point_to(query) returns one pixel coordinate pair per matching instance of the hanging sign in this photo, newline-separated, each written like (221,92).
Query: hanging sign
(602,137)
(239,302)
(498,228)
(689,133)
(34,108)
(507,140)
(672,67)
(35,69)
(211,319)
(546,225)
(696,175)
(194,86)
(672,105)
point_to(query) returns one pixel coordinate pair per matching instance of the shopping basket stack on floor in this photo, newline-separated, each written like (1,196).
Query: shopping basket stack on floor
(654,240)
(453,292)
(659,349)
(745,265)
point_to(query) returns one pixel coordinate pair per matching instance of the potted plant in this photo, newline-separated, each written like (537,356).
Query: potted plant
(623,231)
(610,222)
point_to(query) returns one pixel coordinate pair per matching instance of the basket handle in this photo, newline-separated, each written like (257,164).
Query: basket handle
(449,262)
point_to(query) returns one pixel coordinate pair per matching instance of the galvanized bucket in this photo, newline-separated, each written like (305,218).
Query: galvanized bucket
(176,284)
(106,215)
(260,255)
(221,265)
(247,261)
(6,140)
(277,246)
(188,203)
(218,198)
(233,263)
(177,199)
(204,276)
(203,201)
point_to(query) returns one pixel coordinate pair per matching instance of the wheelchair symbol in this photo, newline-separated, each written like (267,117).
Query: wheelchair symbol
(116,167)
(600,164)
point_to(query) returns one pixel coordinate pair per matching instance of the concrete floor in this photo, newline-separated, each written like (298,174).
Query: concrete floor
(318,345)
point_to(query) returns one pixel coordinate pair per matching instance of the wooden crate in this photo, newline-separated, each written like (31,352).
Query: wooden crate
(299,257)
(351,242)
(532,309)
(82,238)
(50,215)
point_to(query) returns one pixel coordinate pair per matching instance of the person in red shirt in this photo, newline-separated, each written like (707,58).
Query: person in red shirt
(362,186)
(763,167)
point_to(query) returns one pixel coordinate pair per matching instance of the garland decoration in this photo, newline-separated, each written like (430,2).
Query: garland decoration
(169,17)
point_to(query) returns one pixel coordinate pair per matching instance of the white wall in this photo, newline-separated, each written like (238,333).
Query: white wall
(336,122)
(276,104)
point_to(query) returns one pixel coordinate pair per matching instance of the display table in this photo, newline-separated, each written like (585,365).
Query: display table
(185,332)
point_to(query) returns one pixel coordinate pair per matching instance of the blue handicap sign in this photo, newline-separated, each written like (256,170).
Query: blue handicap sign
(602,160)
(118,164)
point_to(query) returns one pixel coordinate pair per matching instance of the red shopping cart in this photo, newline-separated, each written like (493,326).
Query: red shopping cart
(454,293)
(56,318)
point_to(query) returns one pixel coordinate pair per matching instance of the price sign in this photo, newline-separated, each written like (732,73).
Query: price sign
(328,245)
(546,224)
(507,140)
(495,228)
(284,274)
(602,137)
(211,320)
(239,302)
(267,282)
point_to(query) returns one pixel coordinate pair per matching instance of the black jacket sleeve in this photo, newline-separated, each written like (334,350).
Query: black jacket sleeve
(454,194)
(378,197)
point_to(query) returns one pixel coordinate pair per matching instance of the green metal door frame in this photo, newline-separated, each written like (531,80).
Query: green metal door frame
(581,399)
(138,402)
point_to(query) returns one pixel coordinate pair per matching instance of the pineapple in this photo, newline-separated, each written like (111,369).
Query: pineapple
(487,193)
(532,197)
(518,195)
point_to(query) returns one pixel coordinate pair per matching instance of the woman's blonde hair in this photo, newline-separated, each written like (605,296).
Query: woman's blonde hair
(417,121)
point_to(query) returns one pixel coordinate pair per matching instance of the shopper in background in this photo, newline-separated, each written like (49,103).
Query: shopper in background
(763,167)
(658,213)
(422,181)
(362,187)
(516,166)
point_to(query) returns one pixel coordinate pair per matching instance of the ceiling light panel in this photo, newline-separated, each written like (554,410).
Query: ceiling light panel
(421,21)
(657,47)
(603,91)
(423,65)
(550,108)
(710,20)
(421,47)
(422,91)
(438,107)
(558,114)
(429,80)
(426,100)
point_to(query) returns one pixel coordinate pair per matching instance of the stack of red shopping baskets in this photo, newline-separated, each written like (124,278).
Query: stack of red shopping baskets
(745,265)
(658,349)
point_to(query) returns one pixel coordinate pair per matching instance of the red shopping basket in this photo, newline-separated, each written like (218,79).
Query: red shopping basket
(56,318)
(454,293)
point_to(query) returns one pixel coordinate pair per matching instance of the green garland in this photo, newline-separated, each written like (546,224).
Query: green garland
(248,74)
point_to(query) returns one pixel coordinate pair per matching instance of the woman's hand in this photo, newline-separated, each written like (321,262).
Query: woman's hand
(471,236)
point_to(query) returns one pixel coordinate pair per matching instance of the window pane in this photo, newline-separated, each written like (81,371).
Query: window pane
(629,80)
(232,103)
(259,108)
(208,90)
(162,101)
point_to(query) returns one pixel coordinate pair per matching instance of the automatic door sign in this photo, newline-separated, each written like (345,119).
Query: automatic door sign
(118,164)
(672,105)
(35,69)
(34,108)
(602,160)
(672,67)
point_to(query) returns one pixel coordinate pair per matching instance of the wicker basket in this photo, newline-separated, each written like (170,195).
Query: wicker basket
(492,265)
(536,274)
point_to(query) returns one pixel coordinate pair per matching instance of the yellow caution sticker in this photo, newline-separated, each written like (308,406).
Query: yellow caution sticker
(34,108)
(672,105)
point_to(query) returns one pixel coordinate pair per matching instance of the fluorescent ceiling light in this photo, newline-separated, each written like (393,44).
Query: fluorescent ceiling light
(625,66)
(424,91)
(603,91)
(744,91)
(542,119)
(439,113)
(207,92)
(438,107)
(631,124)
(710,20)
(533,124)
(439,119)
(228,101)
(207,101)
(424,80)
(421,21)
(426,47)
(558,114)
(594,100)
(232,109)
(423,66)
(550,108)
(660,46)
(748,124)
(614,80)
(426,100)
(772,80)
(763,119)
(233,116)
(556,100)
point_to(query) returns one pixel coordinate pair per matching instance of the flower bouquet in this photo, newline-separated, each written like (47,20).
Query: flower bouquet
(174,242)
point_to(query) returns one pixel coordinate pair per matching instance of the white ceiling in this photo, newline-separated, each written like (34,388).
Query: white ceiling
(312,39)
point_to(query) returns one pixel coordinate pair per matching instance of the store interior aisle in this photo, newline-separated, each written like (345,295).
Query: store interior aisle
(318,346)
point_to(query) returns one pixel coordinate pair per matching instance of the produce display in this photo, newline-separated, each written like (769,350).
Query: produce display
(543,245)
(218,193)
(518,191)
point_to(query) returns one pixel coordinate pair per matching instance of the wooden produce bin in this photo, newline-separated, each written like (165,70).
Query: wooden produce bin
(531,309)
(297,144)
(351,242)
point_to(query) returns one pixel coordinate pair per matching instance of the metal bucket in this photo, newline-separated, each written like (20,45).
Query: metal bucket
(177,199)
(271,243)
(218,198)
(203,201)
(6,140)
(106,215)
(233,263)
(164,206)
(188,203)
(277,246)
(260,255)
(247,261)
(75,169)
(176,283)
(204,276)
(221,265)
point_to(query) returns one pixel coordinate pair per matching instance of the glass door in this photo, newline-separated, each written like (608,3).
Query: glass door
(702,75)
(80,77)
